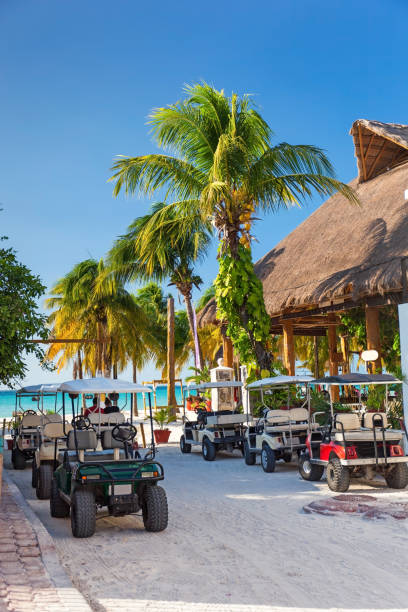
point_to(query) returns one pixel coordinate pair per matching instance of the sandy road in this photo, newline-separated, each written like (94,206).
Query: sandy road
(237,540)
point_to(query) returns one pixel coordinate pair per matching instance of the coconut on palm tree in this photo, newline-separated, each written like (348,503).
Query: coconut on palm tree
(164,244)
(220,165)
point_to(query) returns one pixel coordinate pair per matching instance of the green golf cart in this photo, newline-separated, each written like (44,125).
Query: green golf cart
(101,469)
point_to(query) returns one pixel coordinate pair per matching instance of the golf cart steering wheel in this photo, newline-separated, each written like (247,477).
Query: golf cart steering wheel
(124,433)
(81,422)
(29,412)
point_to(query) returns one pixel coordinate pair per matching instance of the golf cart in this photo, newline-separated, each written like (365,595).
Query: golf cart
(101,468)
(213,430)
(25,433)
(356,443)
(281,431)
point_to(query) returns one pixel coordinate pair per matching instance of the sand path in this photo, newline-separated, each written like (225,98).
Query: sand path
(237,540)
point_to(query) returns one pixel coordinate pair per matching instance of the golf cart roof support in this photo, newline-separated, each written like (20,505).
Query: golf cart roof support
(282,381)
(214,385)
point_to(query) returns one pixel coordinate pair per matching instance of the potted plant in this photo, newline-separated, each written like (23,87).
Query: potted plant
(163,417)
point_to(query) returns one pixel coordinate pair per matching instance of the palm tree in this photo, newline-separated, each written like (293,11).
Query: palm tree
(223,170)
(104,314)
(164,244)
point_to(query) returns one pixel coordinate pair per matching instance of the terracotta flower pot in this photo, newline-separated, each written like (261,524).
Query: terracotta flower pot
(161,435)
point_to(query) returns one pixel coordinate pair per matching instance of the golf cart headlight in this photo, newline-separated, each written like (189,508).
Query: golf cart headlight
(90,477)
(149,474)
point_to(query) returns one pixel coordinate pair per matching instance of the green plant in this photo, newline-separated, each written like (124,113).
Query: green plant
(395,412)
(162,417)
(200,375)
(376,398)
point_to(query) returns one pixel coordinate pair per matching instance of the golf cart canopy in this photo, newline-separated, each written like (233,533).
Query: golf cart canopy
(102,385)
(357,379)
(280,381)
(39,389)
(214,385)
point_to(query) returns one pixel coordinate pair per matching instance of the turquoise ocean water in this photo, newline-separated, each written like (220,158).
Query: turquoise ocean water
(8,401)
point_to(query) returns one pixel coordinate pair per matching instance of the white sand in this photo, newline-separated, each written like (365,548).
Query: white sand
(237,541)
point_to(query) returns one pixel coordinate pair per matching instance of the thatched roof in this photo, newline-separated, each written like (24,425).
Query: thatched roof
(343,251)
(208,314)
(378,146)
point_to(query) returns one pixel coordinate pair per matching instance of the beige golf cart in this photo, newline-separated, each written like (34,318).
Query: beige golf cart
(280,432)
(214,430)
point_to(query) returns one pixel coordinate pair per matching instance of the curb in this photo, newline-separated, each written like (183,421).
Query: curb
(49,555)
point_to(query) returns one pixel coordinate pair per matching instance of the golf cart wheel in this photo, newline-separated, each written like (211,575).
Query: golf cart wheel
(58,507)
(309,471)
(83,513)
(154,509)
(209,450)
(184,447)
(250,458)
(287,457)
(44,479)
(18,459)
(397,476)
(34,474)
(338,476)
(268,459)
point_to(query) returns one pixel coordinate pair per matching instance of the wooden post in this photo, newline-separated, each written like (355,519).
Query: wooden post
(373,337)
(332,340)
(345,354)
(228,352)
(288,348)
(316,356)
(171,391)
(135,410)
(142,431)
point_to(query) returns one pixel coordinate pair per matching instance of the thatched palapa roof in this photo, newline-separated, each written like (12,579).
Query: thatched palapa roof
(344,253)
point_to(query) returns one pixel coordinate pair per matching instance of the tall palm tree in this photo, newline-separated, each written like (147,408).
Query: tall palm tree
(102,312)
(164,244)
(223,168)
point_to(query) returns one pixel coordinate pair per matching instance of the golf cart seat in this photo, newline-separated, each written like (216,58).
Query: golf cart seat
(30,422)
(353,432)
(87,443)
(51,418)
(371,418)
(107,420)
(56,430)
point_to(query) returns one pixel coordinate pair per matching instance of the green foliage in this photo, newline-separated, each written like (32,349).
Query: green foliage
(237,288)
(163,417)
(19,318)
(199,376)
(395,412)
(376,398)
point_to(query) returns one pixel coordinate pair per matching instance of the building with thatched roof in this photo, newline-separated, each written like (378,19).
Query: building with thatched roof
(343,255)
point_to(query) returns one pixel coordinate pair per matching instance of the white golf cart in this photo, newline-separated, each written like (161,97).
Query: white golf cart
(213,430)
(355,443)
(281,431)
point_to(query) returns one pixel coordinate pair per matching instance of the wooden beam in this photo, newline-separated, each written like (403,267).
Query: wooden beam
(373,337)
(227,352)
(377,159)
(288,348)
(360,137)
(66,341)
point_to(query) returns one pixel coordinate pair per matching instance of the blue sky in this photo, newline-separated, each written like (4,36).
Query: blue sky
(78,80)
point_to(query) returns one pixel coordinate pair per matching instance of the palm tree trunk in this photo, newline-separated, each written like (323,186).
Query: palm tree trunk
(198,355)
(171,392)
(79,360)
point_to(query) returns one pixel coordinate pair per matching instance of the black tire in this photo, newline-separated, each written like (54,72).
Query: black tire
(44,480)
(309,471)
(338,476)
(83,513)
(18,459)
(34,474)
(58,507)
(184,447)
(209,450)
(287,457)
(155,509)
(397,476)
(268,459)
(250,458)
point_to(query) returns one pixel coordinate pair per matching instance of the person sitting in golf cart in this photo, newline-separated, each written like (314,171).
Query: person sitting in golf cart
(109,409)
(94,409)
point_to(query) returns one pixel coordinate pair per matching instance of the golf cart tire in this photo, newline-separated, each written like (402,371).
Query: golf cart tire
(209,450)
(44,480)
(250,458)
(155,509)
(397,476)
(18,459)
(83,513)
(338,476)
(34,474)
(58,507)
(309,471)
(184,447)
(268,459)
